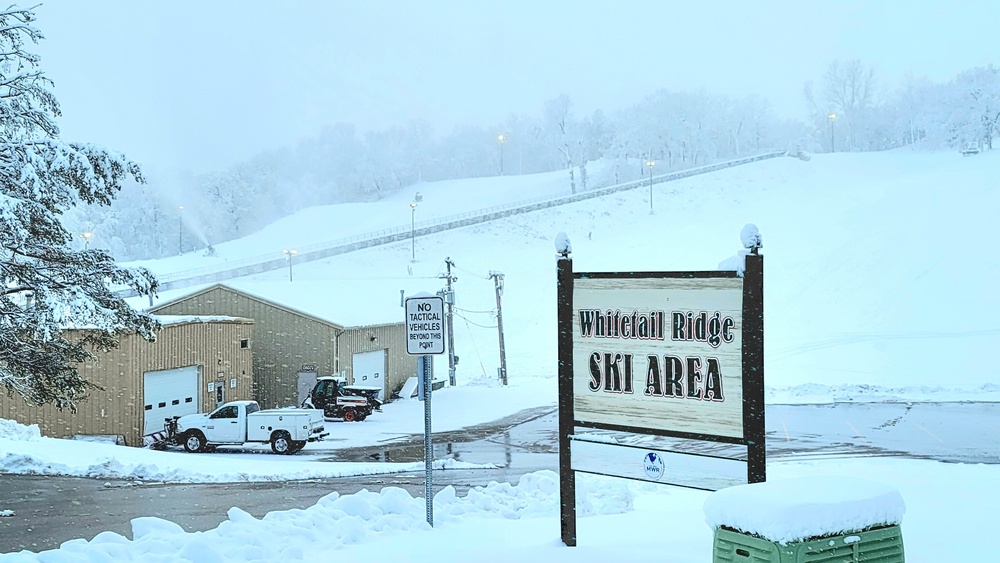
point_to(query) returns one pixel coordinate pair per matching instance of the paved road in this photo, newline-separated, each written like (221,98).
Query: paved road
(51,510)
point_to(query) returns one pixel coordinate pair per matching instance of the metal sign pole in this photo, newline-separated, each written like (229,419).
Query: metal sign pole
(428,441)
(425,336)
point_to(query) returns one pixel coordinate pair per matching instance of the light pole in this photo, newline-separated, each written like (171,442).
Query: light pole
(650,164)
(832,117)
(86,239)
(413,231)
(289,254)
(180,229)
(501,138)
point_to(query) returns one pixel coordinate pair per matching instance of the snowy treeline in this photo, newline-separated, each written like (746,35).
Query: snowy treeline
(852,112)
(344,164)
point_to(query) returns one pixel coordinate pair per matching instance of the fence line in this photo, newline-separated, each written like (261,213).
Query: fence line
(264,263)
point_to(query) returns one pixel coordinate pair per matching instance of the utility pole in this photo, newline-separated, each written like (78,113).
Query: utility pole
(498,281)
(449,299)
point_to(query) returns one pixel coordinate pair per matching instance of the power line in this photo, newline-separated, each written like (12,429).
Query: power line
(374,278)
(491,311)
(474,323)
(470,272)
(474,346)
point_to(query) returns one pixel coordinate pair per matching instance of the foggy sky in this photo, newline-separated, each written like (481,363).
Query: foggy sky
(200,85)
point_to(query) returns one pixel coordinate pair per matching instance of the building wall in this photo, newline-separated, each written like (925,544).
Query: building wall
(284,340)
(390,337)
(116,409)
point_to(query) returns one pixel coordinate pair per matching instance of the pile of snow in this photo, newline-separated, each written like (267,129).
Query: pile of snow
(794,510)
(51,456)
(10,430)
(626,521)
(537,494)
(336,521)
(6,513)
(818,393)
(736,262)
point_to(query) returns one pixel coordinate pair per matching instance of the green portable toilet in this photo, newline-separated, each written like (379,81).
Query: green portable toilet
(808,519)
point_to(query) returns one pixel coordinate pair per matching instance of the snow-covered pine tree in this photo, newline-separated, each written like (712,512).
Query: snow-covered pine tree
(46,286)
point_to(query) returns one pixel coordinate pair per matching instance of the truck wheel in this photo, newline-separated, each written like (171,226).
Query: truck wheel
(361,416)
(194,442)
(281,443)
(349,415)
(297,447)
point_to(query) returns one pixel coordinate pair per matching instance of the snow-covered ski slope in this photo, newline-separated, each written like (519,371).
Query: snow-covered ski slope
(541,190)
(879,267)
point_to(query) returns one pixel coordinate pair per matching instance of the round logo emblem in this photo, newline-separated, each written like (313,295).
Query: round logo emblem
(653,464)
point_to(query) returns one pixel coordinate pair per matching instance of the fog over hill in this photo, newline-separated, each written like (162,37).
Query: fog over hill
(874,270)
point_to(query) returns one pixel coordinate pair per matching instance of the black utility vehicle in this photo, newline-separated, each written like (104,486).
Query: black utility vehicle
(339,400)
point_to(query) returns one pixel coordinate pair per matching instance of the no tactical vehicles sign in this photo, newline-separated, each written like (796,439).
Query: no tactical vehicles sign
(424,325)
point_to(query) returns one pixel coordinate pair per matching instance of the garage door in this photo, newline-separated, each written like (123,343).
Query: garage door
(369,370)
(167,393)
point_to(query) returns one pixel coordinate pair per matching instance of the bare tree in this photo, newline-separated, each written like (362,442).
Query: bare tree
(849,92)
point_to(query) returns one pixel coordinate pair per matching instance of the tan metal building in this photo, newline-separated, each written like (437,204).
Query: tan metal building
(291,347)
(194,364)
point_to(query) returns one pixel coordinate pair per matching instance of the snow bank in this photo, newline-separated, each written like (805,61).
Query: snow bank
(24,451)
(537,494)
(818,393)
(793,510)
(92,460)
(10,430)
(334,521)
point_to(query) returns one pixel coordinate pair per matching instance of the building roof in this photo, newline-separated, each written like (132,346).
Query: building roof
(325,302)
(248,295)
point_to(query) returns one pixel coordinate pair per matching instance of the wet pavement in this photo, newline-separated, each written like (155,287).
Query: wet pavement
(951,432)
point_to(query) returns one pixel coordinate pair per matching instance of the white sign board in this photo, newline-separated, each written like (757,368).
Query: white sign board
(424,325)
(661,353)
(658,466)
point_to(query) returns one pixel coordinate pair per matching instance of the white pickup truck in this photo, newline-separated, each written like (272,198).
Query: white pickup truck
(238,422)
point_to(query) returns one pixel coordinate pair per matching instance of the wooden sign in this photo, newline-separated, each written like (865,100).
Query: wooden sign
(672,354)
(659,353)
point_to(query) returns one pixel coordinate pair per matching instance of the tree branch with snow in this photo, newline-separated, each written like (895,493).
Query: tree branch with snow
(48,287)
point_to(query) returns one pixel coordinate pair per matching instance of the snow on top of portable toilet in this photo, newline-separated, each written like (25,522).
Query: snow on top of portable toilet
(792,510)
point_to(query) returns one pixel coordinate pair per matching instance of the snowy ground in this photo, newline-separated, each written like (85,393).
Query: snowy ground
(878,287)
(949,517)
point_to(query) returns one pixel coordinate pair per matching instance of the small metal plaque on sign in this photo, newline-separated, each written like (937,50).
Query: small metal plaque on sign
(653,465)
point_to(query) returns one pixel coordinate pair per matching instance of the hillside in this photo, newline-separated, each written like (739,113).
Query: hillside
(877,268)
